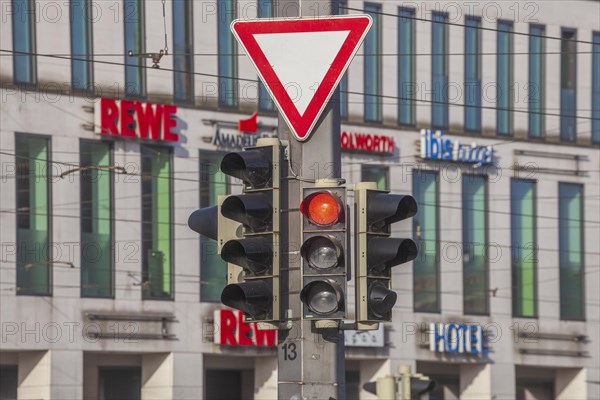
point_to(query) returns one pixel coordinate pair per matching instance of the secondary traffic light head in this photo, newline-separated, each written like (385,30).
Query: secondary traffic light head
(246,227)
(323,251)
(254,290)
(377,252)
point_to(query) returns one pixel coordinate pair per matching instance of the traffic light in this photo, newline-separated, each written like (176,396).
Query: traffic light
(377,252)
(323,251)
(247,231)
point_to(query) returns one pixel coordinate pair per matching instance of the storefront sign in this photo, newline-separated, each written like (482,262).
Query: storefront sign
(231,330)
(364,338)
(367,142)
(457,338)
(135,119)
(436,146)
(233,139)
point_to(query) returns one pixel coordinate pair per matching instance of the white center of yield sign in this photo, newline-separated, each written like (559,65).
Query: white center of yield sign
(301,61)
(313,61)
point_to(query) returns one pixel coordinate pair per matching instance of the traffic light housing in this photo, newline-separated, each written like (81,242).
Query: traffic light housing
(247,231)
(377,252)
(323,251)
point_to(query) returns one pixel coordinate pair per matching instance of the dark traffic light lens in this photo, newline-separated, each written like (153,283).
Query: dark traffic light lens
(322,299)
(322,252)
(381,299)
(321,208)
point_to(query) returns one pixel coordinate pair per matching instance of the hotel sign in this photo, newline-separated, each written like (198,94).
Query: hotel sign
(436,146)
(457,338)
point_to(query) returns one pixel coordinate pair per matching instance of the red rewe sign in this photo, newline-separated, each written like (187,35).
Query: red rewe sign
(127,118)
(231,330)
(301,61)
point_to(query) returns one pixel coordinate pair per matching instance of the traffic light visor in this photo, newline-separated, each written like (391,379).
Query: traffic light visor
(253,297)
(251,166)
(204,221)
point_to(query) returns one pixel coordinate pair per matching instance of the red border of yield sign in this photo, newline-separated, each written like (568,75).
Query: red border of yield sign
(302,125)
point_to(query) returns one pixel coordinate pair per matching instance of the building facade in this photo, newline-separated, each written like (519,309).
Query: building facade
(487,113)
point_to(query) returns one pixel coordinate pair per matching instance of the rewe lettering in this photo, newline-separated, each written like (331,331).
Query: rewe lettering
(128,118)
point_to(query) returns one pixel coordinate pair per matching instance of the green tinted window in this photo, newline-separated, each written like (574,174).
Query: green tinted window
(571,251)
(156,222)
(425,226)
(377,174)
(33,215)
(96,216)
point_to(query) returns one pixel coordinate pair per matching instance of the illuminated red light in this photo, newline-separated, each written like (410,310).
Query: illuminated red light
(321,208)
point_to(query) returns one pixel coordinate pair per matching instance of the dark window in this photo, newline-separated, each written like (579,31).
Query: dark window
(24,43)
(376,173)
(135,71)
(119,383)
(504,76)
(372,73)
(226,12)
(406,66)
(472,74)
(596,89)
(183,49)
(265,10)
(536,87)
(81,45)
(439,70)
(568,85)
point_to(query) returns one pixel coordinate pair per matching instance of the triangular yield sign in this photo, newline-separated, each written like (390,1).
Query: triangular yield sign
(301,61)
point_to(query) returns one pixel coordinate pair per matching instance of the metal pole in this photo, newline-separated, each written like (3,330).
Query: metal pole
(311,363)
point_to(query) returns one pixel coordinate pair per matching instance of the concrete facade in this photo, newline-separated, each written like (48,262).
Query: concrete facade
(50,339)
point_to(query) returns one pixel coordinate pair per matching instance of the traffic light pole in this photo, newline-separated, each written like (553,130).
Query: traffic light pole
(311,361)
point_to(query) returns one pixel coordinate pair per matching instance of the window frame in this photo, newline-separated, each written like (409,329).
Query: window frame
(443,104)
(190,14)
(563,113)
(542,92)
(171,296)
(141,61)
(110,145)
(511,71)
(412,104)
(535,254)
(583,264)
(478,69)
(438,309)
(375,9)
(234,60)
(485,242)
(32,44)
(50,217)
(90,47)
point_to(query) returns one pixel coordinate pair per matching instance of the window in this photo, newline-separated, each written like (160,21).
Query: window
(524,248)
(343,92)
(227,54)
(34,268)
(568,85)
(570,214)
(475,266)
(504,65)
(439,70)
(96,220)
(536,86)
(213,183)
(81,45)
(406,66)
(156,223)
(373,65)
(135,71)
(376,173)
(265,10)
(425,231)
(23,33)
(596,89)
(472,74)
(183,49)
